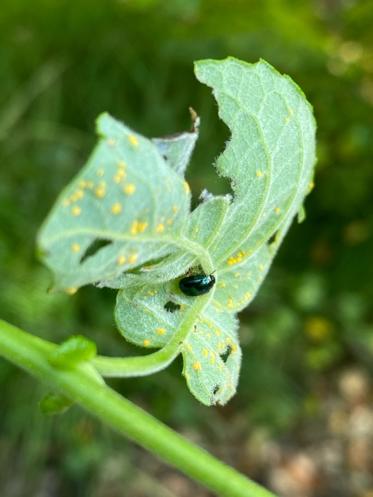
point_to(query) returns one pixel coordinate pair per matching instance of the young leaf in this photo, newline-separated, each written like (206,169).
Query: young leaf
(74,350)
(53,404)
(149,240)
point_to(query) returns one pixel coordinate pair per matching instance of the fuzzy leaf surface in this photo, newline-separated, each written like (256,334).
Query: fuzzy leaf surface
(270,156)
(269,160)
(211,352)
(152,240)
(125,207)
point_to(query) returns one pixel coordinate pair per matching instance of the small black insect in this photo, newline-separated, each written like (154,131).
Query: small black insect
(197,284)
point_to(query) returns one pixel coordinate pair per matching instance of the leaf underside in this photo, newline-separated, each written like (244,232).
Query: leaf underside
(124,222)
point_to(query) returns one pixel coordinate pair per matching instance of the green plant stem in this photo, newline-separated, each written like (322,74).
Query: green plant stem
(31,354)
(151,363)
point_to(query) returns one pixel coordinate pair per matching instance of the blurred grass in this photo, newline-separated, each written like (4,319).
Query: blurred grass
(61,64)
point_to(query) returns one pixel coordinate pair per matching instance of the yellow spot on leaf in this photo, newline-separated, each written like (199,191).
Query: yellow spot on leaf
(116,208)
(129,189)
(197,366)
(138,227)
(277,210)
(311,186)
(121,164)
(132,258)
(205,352)
(230,303)
(100,191)
(175,208)
(290,115)
(261,267)
(160,331)
(259,173)
(79,194)
(76,211)
(66,202)
(100,172)
(75,247)
(121,260)
(119,176)
(212,358)
(111,142)
(71,291)
(133,140)
(248,295)
(146,342)
(236,259)
(186,187)
(159,228)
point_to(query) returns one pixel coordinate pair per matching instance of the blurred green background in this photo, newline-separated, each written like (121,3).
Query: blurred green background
(302,421)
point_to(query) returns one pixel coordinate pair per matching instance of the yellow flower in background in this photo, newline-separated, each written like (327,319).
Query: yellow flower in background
(318,328)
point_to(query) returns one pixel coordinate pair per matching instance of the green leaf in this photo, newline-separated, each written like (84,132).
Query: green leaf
(211,352)
(154,240)
(270,156)
(123,209)
(74,350)
(202,228)
(53,404)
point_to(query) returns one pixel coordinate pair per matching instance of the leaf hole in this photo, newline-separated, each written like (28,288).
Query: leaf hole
(94,248)
(171,306)
(272,238)
(225,355)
